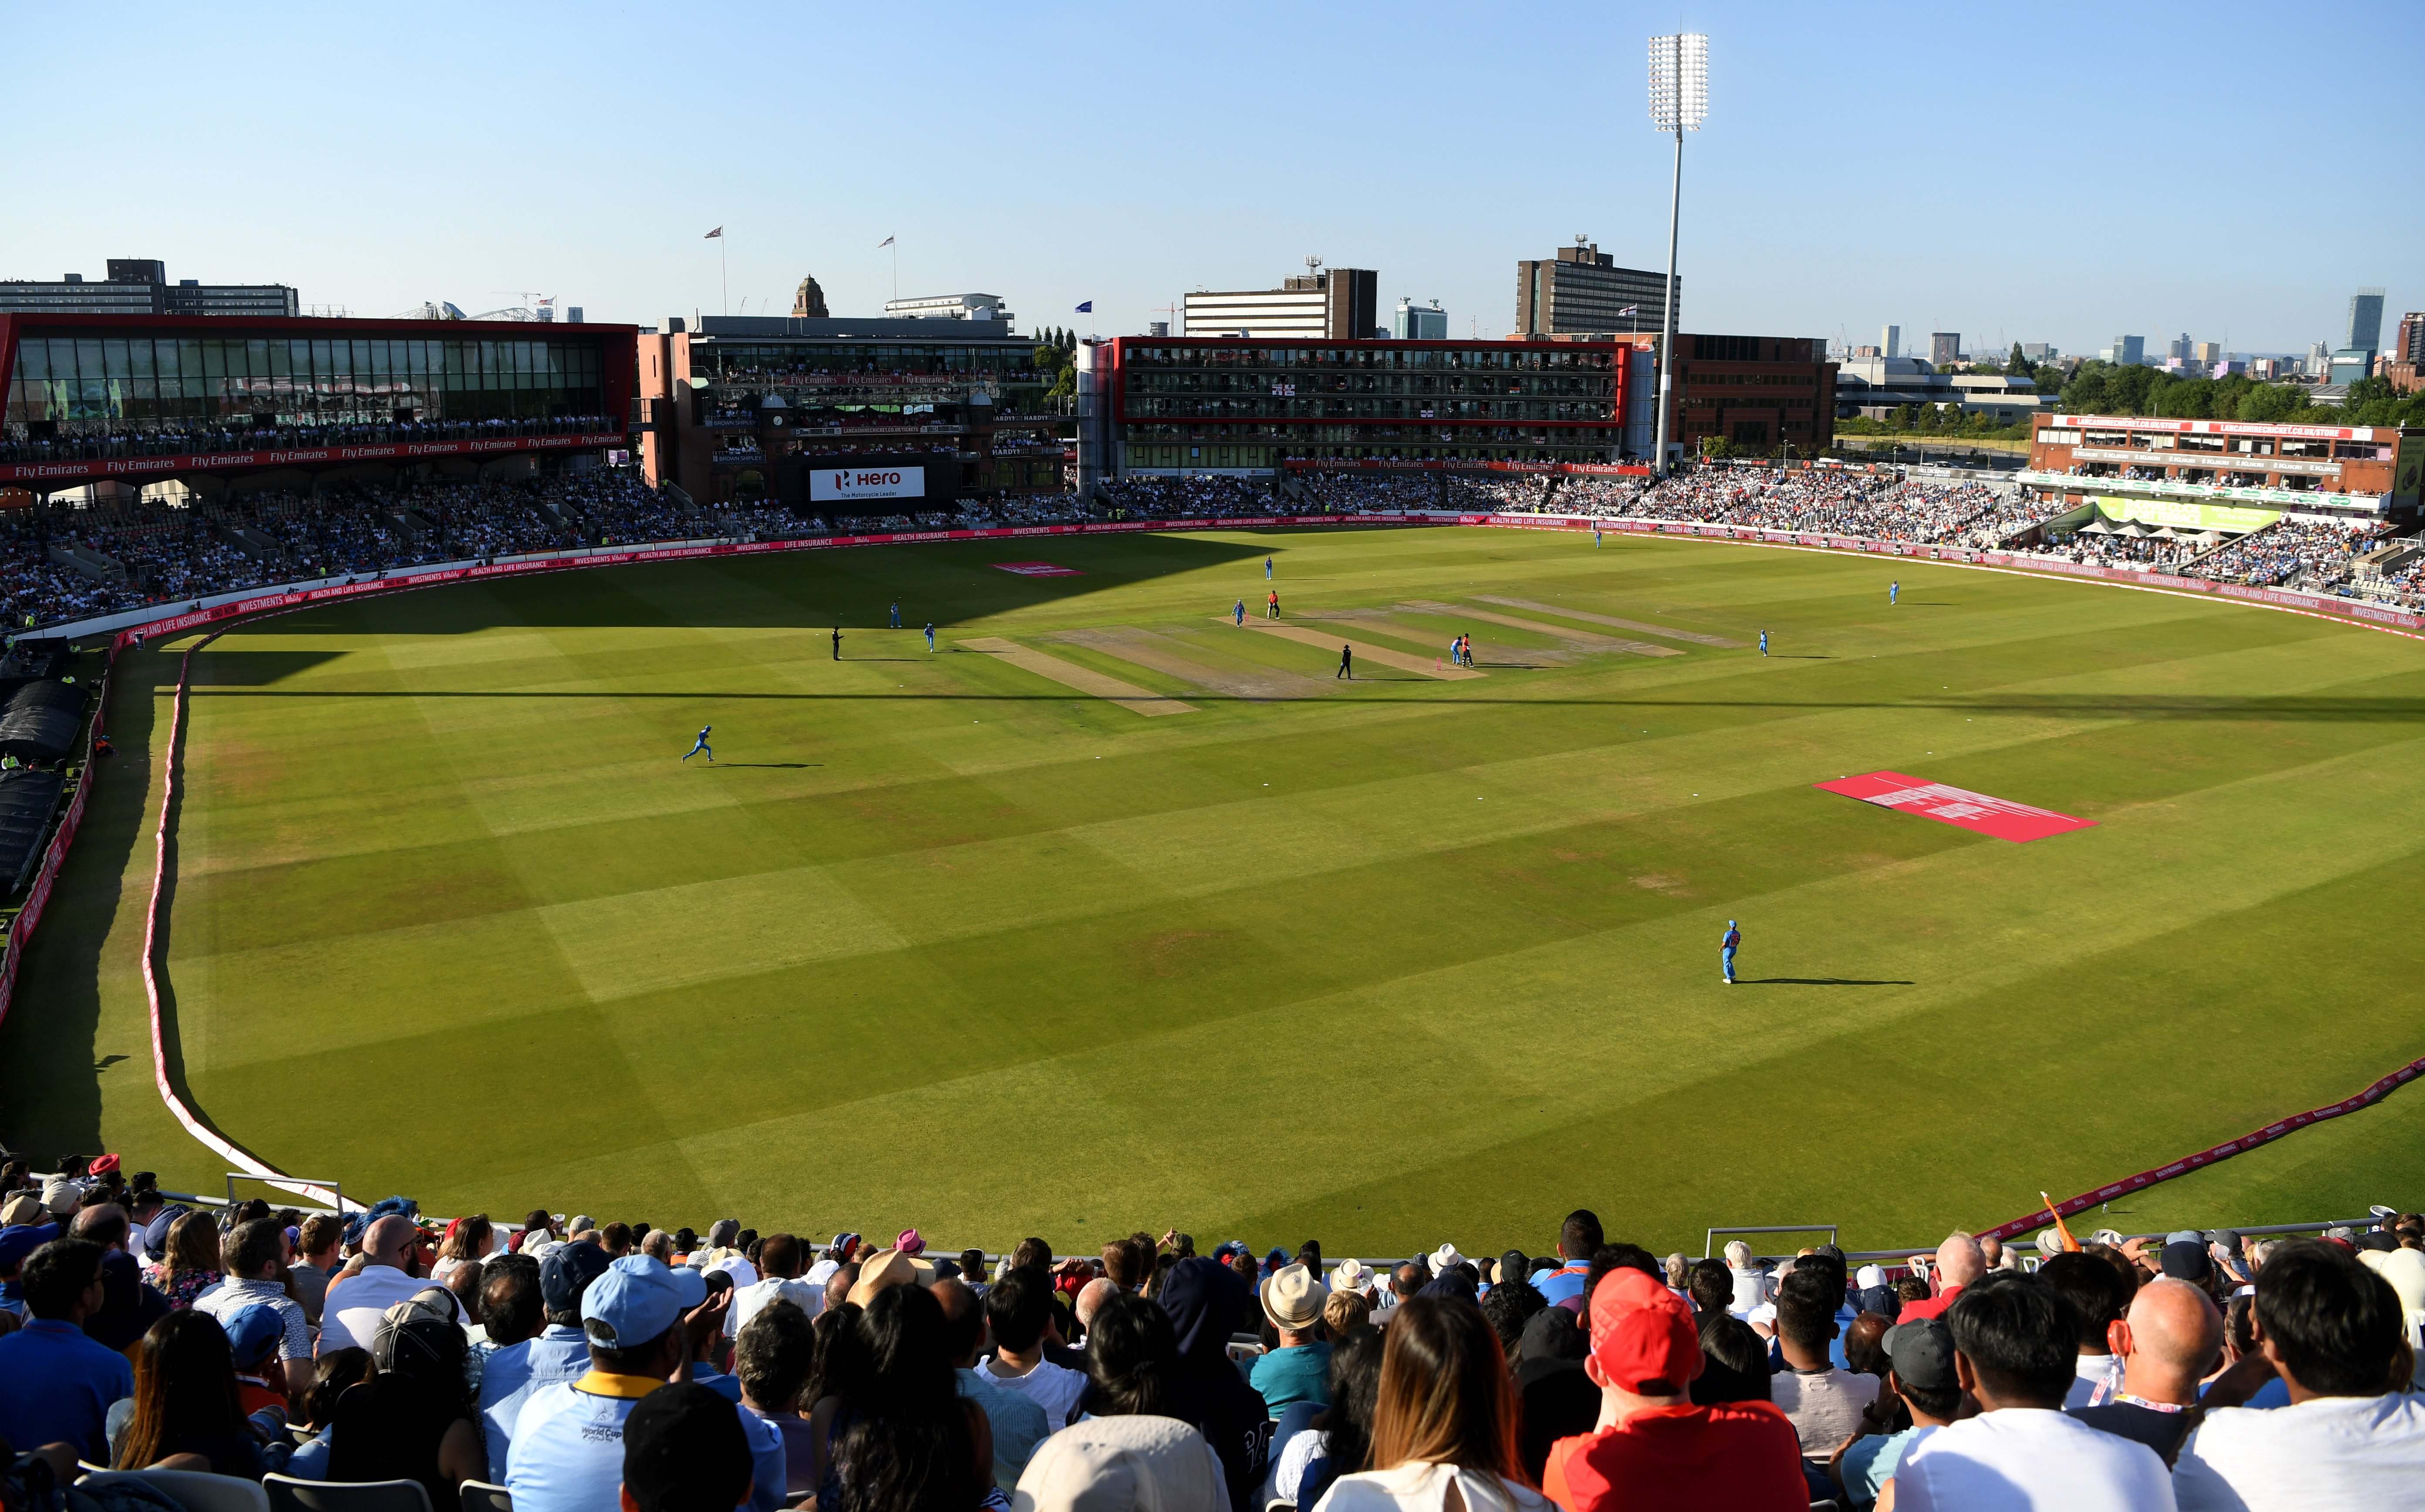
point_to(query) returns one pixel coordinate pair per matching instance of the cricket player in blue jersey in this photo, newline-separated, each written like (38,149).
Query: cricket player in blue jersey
(1726,948)
(1241,613)
(896,615)
(1267,569)
(1894,590)
(1763,643)
(930,635)
(701,746)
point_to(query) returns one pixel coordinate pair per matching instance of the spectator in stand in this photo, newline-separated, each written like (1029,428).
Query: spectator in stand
(1299,1369)
(1335,1440)
(1823,1402)
(1751,1281)
(512,1314)
(779,1260)
(1959,1262)
(1205,1302)
(186,1403)
(1405,1282)
(1579,1238)
(640,1317)
(1443,1422)
(1016,1422)
(192,1265)
(2095,1293)
(2171,1340)
(388,1274)
(1559,1399)
(254,1334)
(683,1451)
(904,1435)
(1019,1310)
(1920,1376)
(1734,1363)
(773,1358)
(56,1386)
(256,1276)
(1710,1287)
(411,1416)
(2014,1344)
(2352,1435)
(128,1307)
(1653,1447)
(1140,1462)
(315,1261)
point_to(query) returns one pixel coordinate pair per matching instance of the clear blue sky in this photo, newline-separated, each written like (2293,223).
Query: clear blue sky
(2230,171)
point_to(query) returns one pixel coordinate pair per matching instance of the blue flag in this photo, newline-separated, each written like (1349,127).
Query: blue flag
(1086,309)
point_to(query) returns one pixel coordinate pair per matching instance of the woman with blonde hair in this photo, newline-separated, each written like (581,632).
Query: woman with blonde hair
(1444,1422)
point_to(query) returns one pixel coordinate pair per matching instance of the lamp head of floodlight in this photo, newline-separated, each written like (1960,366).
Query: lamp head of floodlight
(1679,80)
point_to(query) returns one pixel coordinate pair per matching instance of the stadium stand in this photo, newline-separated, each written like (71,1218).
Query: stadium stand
(377,1357)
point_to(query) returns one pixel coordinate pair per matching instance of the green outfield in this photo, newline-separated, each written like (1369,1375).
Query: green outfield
(1108,913)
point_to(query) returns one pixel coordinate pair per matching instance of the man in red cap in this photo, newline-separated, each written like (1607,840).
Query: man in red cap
(1652,1447)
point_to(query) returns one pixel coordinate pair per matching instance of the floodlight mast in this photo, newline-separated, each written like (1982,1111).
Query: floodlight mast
(1680,97)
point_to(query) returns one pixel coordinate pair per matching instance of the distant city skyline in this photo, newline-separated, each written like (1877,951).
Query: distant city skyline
(1054,157)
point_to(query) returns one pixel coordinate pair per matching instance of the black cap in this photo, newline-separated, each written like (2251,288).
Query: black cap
(1921,1353)
(685,1451)
(567,1272)
(2185,1260)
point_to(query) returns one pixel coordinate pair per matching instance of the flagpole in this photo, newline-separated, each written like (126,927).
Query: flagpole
(724,263)
(896,266)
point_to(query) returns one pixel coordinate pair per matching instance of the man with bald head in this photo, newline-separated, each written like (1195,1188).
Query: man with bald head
(1091,1298)
(389,1274)
(1959,1262)
(2170,1339)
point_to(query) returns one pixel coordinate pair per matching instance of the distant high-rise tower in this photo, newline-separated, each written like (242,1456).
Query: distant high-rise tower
(1944,348)
(2365,320)
(1892,340)
(2130,351)
(810,302)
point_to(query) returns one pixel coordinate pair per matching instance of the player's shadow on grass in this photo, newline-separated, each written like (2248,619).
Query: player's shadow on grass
(787,766)
(1820,981)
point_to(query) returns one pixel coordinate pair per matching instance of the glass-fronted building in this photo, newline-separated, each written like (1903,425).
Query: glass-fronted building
(1191,404)
(96,388)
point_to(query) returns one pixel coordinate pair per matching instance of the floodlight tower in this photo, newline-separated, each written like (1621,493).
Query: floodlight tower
(1680,97)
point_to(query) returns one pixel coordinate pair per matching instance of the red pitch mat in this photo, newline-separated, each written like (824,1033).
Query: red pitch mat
(1039,570)
(1999,817)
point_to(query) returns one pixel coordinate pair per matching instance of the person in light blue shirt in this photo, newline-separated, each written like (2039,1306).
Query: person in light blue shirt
(566,1453)
(1267,569)
(1727,944)
(56,1386)
(930,635)
(1763,643)
(1894,591)
(1018,1423)
(701,746)
(1579,1237)
(528,1353)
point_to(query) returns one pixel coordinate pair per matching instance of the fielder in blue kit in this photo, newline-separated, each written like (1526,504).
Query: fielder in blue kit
(1726,948)
(701,746)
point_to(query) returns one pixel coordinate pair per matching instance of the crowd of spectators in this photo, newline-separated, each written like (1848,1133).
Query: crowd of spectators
(148,554)
(1152,497)
(578,1366)
(2100,549)
(2309,553)
(99,440)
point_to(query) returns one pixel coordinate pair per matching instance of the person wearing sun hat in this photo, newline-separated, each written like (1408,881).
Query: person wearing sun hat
(1352,1276)
(1441,1259)
(1299,1369)
(1653,1448)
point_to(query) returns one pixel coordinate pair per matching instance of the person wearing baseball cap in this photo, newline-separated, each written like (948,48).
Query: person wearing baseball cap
(1299,1369)
(1919,1370)
(255,1332)
(1654,1449)
(642,1318)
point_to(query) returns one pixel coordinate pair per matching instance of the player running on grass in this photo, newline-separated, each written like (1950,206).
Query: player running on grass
(701,746)
(930,635)
(1763,643)
(1241,612)
(1727,944)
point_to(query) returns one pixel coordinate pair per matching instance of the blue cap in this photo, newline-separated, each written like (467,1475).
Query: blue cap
(22,1239)
(567,1272)
(637,1299)
(253,1331)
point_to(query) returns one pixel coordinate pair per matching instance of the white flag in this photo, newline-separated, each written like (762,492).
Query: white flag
(886,242)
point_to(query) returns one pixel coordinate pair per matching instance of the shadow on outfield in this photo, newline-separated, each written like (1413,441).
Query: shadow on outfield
(1818,981)
(2366,710)
(949,581)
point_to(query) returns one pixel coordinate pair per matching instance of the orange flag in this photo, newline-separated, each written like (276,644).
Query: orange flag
(2069,1242)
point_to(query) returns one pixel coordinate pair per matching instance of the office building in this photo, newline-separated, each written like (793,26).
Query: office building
(1322,304)
(2227,474)
(2408,344)
(1581,291)
(141,286)
(1891,339)
(1944,348)
(2126,351)
(2208,352)
(949,307)
(1418,322)
(2365,321)
(765,407)
(207,399)
(2180,349)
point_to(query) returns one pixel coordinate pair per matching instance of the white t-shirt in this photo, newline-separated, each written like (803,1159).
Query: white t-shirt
(1826,1406)
(1053,1388)
(2328,1451)
(1296,1456)
(1420,1488)
(2029,1460)
(748,1299)
(350,1315)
